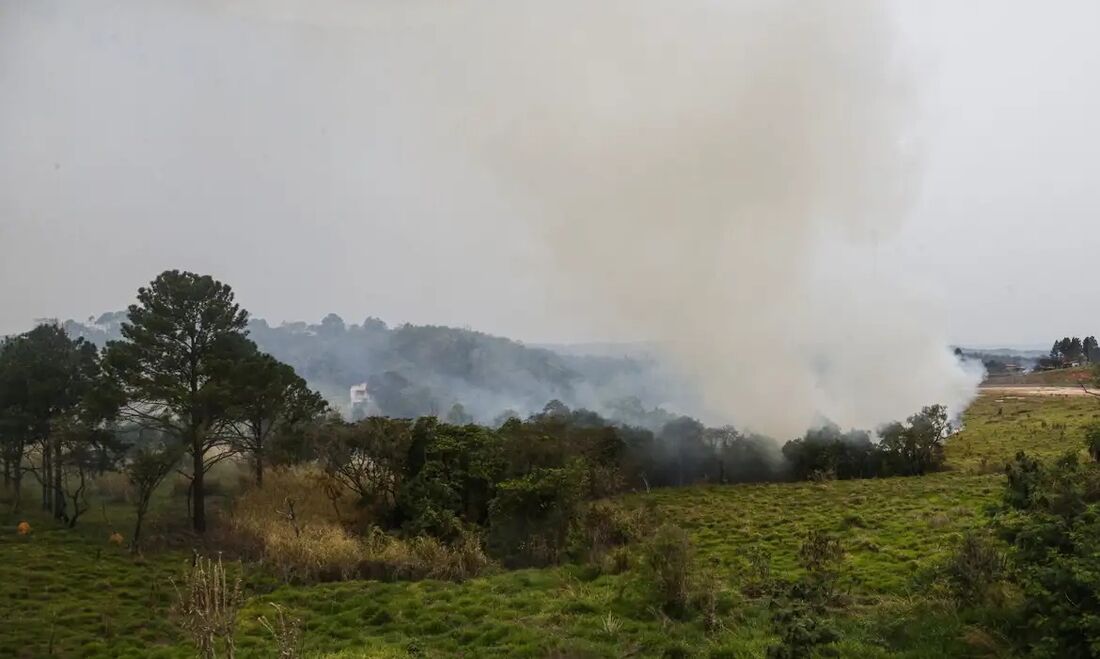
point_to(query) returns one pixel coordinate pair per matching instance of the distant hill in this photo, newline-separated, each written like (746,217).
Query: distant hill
(413,370)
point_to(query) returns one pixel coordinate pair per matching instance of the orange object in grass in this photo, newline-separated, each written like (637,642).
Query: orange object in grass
(23,528)
(115,539)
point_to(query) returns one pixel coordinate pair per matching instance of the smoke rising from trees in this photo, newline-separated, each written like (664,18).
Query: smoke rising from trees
(716,177)
(712,177)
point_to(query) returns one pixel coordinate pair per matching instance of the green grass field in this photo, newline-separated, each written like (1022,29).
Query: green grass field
(996,426)
(70,594)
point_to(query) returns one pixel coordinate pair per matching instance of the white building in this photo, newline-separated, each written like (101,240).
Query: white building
(359,394)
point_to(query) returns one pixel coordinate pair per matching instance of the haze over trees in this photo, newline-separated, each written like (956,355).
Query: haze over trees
(414,370)
(185,389)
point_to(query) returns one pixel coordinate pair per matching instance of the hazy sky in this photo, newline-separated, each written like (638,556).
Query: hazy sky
(291,148)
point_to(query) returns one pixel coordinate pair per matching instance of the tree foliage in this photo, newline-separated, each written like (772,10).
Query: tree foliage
(174,366)
(267,399)
(1051,521)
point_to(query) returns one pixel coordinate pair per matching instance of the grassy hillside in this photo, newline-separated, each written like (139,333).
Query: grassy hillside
(998,425)
(72,594)
(1062,377)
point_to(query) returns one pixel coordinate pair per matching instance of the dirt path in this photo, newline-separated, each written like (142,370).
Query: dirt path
(1031,391)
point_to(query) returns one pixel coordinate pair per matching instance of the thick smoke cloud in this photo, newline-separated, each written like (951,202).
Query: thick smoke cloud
(710,176)
(714,176)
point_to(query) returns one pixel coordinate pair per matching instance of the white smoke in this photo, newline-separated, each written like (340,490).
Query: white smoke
(716,177)
(713,176)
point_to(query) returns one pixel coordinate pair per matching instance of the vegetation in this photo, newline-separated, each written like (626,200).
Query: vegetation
(560,534)
(414,371)
(1051,522)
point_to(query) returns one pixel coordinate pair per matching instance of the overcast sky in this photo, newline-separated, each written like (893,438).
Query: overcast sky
(285,147)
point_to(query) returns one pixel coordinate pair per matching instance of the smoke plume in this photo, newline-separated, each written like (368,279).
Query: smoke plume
(716,177)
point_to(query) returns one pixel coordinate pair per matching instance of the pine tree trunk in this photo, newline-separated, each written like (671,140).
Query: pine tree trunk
(135,542)
(17,483)
(198,498)
(58,492)
(47,479)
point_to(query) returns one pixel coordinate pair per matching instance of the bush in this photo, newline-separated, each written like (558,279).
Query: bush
(756,580)
(295,526)
(1052,523)
(669,558)
(301,494)
(207,605)
(604,527)
(531,518)
(799,612)
(975,566)
(318,552)
(1092,441)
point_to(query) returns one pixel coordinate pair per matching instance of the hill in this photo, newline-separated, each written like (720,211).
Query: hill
(1059,377)
(416,370)
(69,593)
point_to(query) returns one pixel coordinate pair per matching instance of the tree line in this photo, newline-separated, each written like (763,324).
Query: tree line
(185,388)
(1068,350)
(184,384)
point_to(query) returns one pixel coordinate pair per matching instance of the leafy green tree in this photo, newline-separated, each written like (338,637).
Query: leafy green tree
(1076,349)
(14,424)
(369,458)
(530,517)
(147,466)
(173,366)
(46,379)
(1091,349)
(916,448)
(88,449)
(451,476)
(268,398)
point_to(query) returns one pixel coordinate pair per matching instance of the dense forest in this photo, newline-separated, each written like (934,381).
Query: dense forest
(413,370)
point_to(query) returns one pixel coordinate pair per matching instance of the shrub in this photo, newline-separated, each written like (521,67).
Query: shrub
(669,560)
(317,552)
(301,494)
(603,527)
(799,612)
(756,578)
(1092,441)
(531,518)
(286,630)
(207,605)
(295,525)
(1052,523)
(974,567)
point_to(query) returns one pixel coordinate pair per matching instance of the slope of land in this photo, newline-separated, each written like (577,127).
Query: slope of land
(71,594)
(1059,377)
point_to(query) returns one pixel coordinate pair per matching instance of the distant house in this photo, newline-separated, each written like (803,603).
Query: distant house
(359,394)
(362,405)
